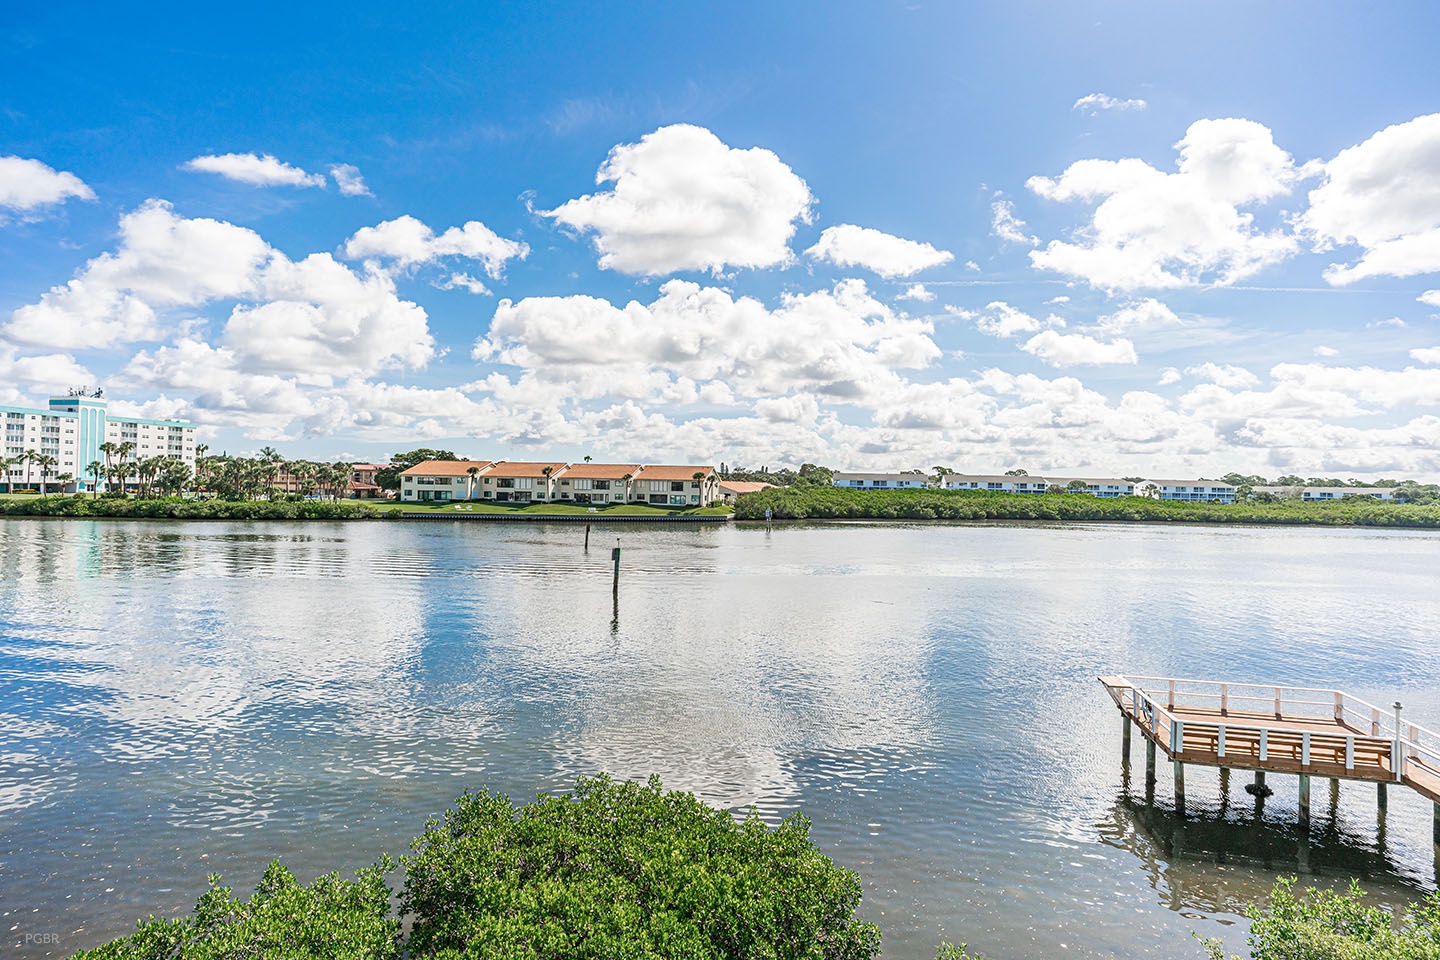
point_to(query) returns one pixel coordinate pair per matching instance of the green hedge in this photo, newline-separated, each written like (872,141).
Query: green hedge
(836,503)
(176,508)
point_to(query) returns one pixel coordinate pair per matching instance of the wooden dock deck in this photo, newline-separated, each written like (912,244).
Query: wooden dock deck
(1304,731)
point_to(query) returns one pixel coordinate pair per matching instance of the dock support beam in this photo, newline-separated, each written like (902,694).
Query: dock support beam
(1435,828)
(1125,737)
(1149,762)
(1179,789)
(1381,799)
(1305,801)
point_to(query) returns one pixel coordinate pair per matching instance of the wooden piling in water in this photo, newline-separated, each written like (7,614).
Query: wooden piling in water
(1304,801)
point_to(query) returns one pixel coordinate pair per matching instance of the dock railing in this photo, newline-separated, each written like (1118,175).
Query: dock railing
(1150,701)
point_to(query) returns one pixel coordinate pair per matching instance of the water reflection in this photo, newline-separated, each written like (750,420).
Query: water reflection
(181,697)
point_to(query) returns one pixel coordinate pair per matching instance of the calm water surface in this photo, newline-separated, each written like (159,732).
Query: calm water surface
(177,699)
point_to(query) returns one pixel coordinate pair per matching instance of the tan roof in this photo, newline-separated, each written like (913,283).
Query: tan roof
(664,472)
(743,486)
(444,468)
(515,468)
(600,471)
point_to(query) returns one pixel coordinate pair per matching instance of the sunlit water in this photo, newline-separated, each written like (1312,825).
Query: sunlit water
(177,699)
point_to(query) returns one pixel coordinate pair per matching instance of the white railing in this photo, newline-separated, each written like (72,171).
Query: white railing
(1151,701)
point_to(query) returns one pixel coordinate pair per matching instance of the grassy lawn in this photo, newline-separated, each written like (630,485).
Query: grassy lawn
(480,506)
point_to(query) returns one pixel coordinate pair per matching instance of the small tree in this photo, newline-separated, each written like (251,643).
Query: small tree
(624,870)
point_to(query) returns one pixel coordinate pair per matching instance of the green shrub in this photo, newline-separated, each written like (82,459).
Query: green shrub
(284,920)
(624,870)
(1326,925)
(613,870)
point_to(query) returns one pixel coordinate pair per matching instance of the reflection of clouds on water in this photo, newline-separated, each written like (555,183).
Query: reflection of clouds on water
(733,684)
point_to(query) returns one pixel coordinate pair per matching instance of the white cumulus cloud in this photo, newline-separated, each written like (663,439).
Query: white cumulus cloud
(315,319)
(260,170)
(684,200)
(1078,349)
(1430,298)
(347,178)
(1430,355)
(27,185)
(1382,195)
(1095,102)
(406,241)
(850,246)
(1157,229)
(917,292)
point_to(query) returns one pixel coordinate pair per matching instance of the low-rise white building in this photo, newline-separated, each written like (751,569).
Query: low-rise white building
(992,482)
(1321,494)
(442,480)
(880,481)
(1191,491)
(514,481)
(675,485)
(596,482)
(1103,487)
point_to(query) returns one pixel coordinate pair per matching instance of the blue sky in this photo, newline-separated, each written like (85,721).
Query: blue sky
(1101,237)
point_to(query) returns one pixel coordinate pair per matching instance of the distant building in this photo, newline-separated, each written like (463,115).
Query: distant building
(1320,494)
(512,481)
(362,481)
(596,482)
(1104,487)
(880,481)
(71,430)
(1192,491)
(730,489)
(674,485)
(441,480)
(997,484)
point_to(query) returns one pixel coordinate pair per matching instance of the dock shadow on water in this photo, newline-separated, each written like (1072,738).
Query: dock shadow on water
(1218,856)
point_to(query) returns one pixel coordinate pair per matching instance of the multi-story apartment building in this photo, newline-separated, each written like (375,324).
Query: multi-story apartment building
(519,482)
(669,485)
(443,480)
(71,430)
(596,482)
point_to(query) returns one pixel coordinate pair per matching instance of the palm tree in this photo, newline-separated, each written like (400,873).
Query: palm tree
(29,456)
(547,471)
(46,462)
(64,479)
(122,451)
(587,458)
(472,472)
(108,448)
(5,464)
(94,468)
(626,480)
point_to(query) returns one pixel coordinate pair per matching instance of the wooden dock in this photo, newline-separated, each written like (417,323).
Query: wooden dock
(1304,731)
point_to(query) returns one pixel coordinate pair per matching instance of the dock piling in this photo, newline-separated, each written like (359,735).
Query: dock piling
(1125,737)
(1305,801)
(1179,789)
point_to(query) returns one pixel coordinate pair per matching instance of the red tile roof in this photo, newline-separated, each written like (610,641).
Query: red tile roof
(743,486)
(667,472)
(507,468)
(599,471)
(444,468)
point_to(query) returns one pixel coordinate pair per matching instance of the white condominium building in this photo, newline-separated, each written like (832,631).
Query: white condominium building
(70,431)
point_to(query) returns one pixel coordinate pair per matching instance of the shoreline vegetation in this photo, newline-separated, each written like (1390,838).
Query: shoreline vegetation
(835,503)
(783,503)
(81,506)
